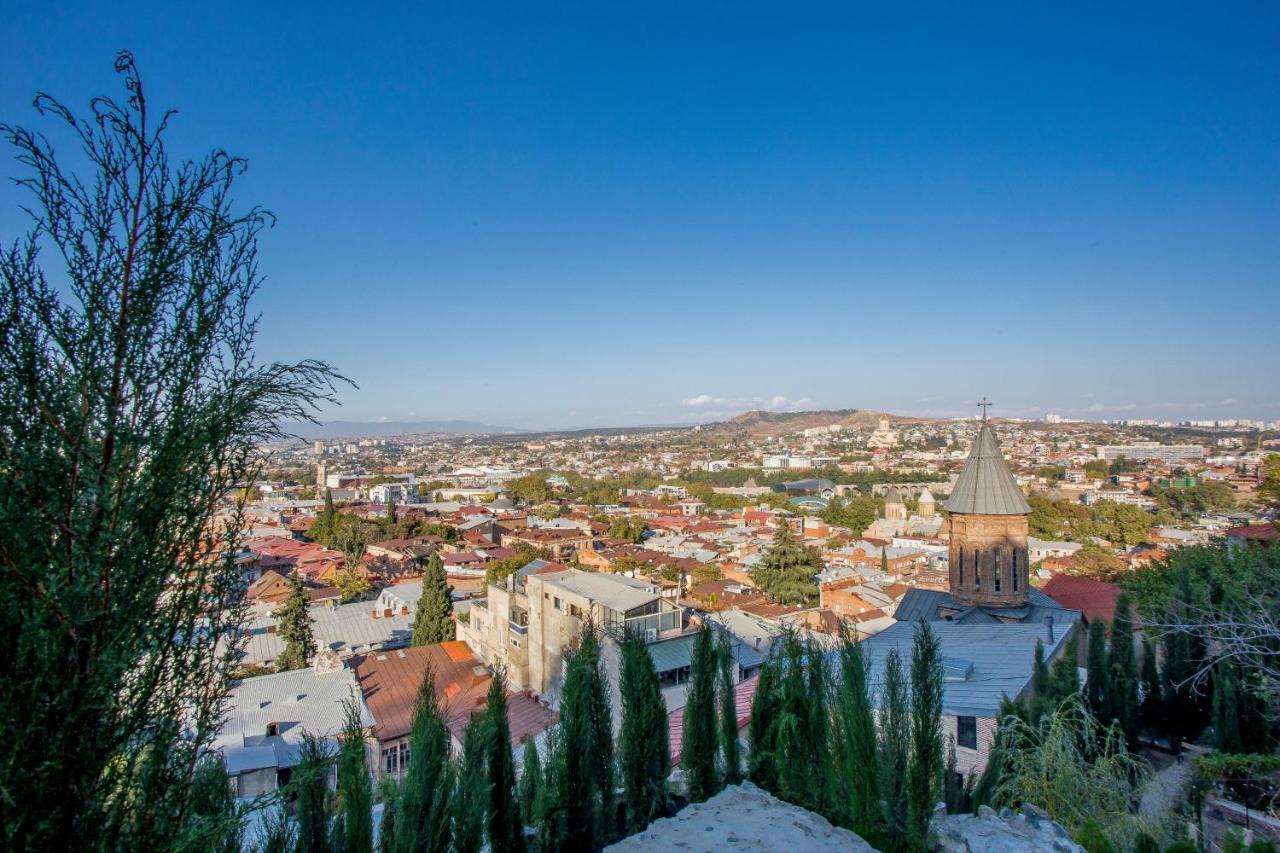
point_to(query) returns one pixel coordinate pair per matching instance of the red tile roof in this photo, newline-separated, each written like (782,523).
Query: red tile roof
(1094,598)
(744,693)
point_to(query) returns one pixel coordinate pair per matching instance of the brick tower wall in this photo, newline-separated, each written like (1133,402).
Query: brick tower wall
(991,545)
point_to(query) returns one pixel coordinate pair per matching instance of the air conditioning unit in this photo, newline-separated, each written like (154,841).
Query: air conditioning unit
(650,635)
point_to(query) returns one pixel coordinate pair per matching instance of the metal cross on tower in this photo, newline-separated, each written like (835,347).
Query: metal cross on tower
(984,405)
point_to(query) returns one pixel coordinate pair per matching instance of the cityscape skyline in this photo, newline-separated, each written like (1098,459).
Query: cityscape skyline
(1068,211)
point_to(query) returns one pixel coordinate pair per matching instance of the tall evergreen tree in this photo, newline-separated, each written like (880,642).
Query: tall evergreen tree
(1066,676)
(1122,685)
(1226,708)
(894,747)
(644,756)
(884,561)
(471,788)
(799,740)
(698,747)
(392,518)
(762,765)
(329,512)
(924,772)
(1185,711)
(1098,674)
(505,828)
(294,622)
(310,783)
(423,805)
(355,787)
(531,782)
(580,804)
(131,406)
(854,746)
(786,571)
(1152,689)
(433,620)
(388,793)
(730,747)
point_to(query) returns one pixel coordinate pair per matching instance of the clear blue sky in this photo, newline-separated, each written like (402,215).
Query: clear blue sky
(570,216)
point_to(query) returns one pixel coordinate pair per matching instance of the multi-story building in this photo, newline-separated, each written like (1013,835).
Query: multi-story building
(1167,453)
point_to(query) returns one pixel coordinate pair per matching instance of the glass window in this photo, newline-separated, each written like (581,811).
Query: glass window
(967,732)
(977,570)
(961,578)
(997,567)
(1015,569)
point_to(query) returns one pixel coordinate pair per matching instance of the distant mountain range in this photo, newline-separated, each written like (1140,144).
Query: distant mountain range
(357,429)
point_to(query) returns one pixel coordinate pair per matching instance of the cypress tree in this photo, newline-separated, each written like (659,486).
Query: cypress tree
(1042,697)
(1066,676)
(506,830)
(329,512)
(433,621)
(580,773)
(762,767)
(798,752)
(854,746)
(698,748)
(391,509)
(531,783)
(310,784)
(884,561)
(1226,708)
(816,752)
(924,772)
(1122,687)
(894,747)
(644,754)
(388,792)
(355,788)
(730,748)
(294,622)
(1152,690)
(1096,686)
(471,788)
(422,816)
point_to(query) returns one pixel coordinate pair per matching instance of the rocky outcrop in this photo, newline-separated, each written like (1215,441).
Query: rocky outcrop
(743,818)
(989,831)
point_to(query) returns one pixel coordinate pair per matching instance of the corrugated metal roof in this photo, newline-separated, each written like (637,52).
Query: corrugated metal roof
(677,653)
(924,604)
(986,486)
(994,660)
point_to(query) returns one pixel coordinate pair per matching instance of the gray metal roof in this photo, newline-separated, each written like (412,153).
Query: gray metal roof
(346,629)
(677,653)
(986,486)
(924,604)
(982,663)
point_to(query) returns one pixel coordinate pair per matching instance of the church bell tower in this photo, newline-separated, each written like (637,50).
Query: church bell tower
(988,525)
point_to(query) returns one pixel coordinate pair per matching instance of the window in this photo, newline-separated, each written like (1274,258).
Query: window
(1015,569)
(977,571)
(967,732)
(273,729)
(960,580)
(997,575)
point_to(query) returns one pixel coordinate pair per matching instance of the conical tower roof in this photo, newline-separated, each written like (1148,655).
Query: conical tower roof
(926,496)
(986,486)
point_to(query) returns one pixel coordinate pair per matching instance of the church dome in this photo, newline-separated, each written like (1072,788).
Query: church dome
(892,495)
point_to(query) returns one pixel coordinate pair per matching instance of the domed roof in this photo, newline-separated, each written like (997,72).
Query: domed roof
(986,485)
(926,496)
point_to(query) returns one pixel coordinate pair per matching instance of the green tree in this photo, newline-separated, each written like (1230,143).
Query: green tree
(423,806)
(433,619)
(355,788)
(505,829)
(1152,710)
(894,750)
(294,622)
(471,788)
(1098,673)
(629,527)
(580,790)
(352,585)
(531,785)
(698,748)
(786,572)
(924,771)
(730,747)
(214,823)
(131,405)
(389,794)
(762,764)
(1122,672)
(854,746)
(1269,489)
(644,757)
(391,508)
(310,788)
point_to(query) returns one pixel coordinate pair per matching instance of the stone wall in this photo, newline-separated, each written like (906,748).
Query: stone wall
(997,542)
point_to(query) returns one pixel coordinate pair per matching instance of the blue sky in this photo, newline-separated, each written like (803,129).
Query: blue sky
(666,212)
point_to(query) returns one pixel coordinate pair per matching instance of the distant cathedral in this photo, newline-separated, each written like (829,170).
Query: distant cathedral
(883,436)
